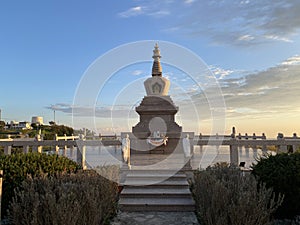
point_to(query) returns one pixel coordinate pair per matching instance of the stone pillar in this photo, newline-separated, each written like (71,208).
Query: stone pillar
(56,146)
(234,154)
(65,146)
(25,149)
(201,146)
(7,150)
(281,148)
(264,146)
(240,146)
(81,151)
(217,146)
(192,145)
(37,148)
(72,148)
(246,145)
(254,147)
(71,151)
(295,146)
(1,176)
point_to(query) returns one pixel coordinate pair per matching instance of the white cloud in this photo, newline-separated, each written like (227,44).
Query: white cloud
(220,73)
(277,38)
(189,1)
(245,2)
(134,11)
(154,8)
(116,111)
(137,72)
(230,22)
(159,14)
(246,38)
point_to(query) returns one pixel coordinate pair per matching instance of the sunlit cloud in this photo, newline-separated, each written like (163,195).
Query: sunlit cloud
(295,60)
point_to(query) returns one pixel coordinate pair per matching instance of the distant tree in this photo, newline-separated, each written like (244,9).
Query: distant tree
(60,130)
(34,126)
(2,124)
(52,123)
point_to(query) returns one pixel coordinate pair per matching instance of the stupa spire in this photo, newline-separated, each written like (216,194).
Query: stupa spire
(156,67)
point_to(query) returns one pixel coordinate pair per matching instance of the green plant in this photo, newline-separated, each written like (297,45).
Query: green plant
(17,167)
(224,196)
(282,173)
(69,199)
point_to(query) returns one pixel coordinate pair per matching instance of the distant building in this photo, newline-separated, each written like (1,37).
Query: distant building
(23,125)
(37,120)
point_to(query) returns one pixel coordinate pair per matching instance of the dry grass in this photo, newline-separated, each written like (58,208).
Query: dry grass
(76,199)
(224,196)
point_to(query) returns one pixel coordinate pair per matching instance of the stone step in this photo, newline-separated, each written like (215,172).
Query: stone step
(135,192)
(155,171)
(150,182)
(156,190)
(157,204)
(155,177)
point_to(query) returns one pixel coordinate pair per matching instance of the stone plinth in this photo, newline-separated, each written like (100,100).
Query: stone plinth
(157,114)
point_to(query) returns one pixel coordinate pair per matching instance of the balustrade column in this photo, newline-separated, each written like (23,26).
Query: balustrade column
(234,154)
(264,146)
(25,149)
(295,146)
(281,148)
(7,150)
(1,175)
(81,151)
(65,147)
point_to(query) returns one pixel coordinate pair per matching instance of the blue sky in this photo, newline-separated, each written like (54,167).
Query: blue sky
(252,47)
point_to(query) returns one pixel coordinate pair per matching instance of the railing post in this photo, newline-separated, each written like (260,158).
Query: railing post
(7,150)
(246,145)
(240,147)
(217,137)
(56,146)
(72,148)
(25,149)
(38,148)
(264,146)
(295,146)
(234,154)
(65,146)
(282,148)
(233,131)
(81,151)
(254,147)
(201,146)
(1,176)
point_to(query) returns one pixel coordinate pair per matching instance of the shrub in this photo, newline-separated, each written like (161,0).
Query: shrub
(17,167)
(69,199)
(282,173)
(224,196)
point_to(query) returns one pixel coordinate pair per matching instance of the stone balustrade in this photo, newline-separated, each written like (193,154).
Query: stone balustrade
(283,144)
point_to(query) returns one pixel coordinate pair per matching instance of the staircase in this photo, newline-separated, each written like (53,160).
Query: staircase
(156,190)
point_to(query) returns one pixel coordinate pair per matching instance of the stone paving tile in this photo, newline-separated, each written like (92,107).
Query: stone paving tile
(155,218)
